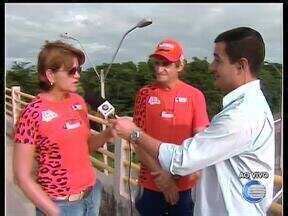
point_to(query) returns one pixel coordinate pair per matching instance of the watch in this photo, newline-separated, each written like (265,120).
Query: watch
(135,136)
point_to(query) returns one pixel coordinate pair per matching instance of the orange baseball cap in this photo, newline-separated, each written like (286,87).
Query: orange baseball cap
(169,49)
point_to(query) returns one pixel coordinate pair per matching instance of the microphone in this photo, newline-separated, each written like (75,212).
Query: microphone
(106,109)
(99,103)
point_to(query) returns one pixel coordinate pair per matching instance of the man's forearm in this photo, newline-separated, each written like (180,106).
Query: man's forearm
(147,160)
(149,145)
(125,127)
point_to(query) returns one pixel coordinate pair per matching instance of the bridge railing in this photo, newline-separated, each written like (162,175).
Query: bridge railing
(113,165)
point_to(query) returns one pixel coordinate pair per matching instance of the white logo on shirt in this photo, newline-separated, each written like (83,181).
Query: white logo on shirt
(48,115)
(71,125)
(181,99)
(77,107)
(166,46)
(153,100)
(165,114)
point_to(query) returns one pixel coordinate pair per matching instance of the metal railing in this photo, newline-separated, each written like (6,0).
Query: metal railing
(117,163)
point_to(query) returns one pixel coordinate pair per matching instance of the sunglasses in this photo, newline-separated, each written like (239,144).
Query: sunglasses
(73,71)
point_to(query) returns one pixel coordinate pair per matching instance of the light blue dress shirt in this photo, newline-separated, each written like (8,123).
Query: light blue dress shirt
(240,139)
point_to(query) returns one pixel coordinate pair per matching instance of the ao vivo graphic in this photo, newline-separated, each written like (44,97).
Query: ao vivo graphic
(254,191)
(254,175)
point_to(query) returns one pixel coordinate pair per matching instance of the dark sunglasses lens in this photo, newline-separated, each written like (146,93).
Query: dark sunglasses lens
(74,70)
(79,70)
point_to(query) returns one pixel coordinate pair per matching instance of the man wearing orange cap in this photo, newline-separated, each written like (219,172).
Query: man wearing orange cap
(239,142)
(172,111)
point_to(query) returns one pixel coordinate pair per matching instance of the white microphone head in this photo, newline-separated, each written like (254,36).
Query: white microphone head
(106,109)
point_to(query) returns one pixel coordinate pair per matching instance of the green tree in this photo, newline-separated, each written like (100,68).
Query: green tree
(198,75)
(144,74)
(23,74)
(125,79)
(271,84)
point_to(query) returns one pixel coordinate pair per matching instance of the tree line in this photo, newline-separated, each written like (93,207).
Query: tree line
(125,79)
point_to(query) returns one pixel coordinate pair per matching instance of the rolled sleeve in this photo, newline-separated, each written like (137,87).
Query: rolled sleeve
(216,143)
(166,155)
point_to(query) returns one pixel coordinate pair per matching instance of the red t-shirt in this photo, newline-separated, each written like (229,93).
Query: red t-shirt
(169,115)
(59,131)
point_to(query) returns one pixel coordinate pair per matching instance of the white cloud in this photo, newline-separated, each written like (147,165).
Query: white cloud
(9,61)
(94,47)
(216,10)
(100,27)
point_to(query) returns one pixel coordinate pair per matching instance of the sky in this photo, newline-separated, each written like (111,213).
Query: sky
(100,26)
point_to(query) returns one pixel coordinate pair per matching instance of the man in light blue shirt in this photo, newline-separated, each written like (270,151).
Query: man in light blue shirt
(235,154)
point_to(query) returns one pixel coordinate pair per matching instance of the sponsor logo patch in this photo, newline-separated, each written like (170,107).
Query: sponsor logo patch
(72,124)
(166,46)
(181,99)
(153,100)
(165,114)
(48,115)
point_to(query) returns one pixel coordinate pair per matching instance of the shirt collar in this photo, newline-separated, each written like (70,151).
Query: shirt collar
(175,88)
(239,92)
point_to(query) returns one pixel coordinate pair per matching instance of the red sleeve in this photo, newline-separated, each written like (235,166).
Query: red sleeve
(26,129)
(139,114)
(136,112)
(200,117)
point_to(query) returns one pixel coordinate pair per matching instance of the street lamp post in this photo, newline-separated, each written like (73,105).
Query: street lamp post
(102,83)
(67,36)
(141,24)
(102,76)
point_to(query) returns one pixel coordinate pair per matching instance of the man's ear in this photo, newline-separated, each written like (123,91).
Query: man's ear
(50,76)
(242,65)
(181,66)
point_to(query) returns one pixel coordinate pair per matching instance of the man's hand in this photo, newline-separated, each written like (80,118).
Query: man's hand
(162,179)
(123,126)
(171,195)
(167,185)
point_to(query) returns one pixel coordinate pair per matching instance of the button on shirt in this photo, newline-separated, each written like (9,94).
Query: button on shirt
(240,139)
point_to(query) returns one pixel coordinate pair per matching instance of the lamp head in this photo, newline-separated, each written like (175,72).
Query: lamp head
(67,36)
(143,23)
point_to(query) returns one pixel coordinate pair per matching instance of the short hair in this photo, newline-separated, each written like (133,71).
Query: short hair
(54,55)
(244,42)
(178,63)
